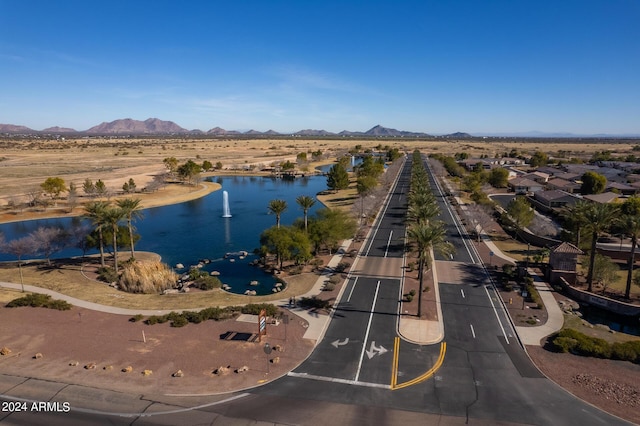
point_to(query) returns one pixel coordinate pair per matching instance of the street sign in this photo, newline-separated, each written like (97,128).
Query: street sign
(262,324)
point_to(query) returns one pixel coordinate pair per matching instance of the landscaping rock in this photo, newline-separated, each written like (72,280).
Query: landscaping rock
(147,372)
(5,351)
(128,369)
(178,373)
(221,371)
(37,356)
(74,363)
(242,369)
(275,360)
(90,366)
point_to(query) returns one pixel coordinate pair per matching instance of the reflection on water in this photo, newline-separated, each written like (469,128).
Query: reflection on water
(191,231)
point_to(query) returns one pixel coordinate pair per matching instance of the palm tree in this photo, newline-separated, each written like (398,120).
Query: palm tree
(131,209)
(427,238)
(277,207)
(575,215)
(305,202)
(599,218)
(95,211)
(112,218)
(632,228)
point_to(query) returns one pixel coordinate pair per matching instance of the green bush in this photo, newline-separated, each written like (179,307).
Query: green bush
(37,300)
(179,321)
(153,319)
(107,275)
(329,286)
(255,308)
(626,351)
(208,282)
(412,293)
(409,297)
(194,317)
(569,340)
(314,303)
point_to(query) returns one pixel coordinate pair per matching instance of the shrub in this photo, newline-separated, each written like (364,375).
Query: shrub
(136,318)
(107,275)
(37,300)
(208,282)
(341,267)
(191,316)
(412,292)
(255,308)
(329,286)
(569,340)
(314,303)
(626,351)
(153,319)
(179,321)
(147,277)
(409,297)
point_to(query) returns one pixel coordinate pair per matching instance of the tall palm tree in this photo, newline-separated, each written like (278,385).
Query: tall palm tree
(95,211)
(112,218)
(305,202)
(599,218)
(632,229)
(428,237)
(277,207)
(131,209)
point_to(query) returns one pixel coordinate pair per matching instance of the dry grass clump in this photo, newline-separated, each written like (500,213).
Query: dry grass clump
(147,277)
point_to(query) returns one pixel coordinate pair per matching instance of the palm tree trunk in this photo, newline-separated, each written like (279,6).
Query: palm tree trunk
(632,260)
(115,248)
(101,247)
(131,237)
(421,280)
(592,261)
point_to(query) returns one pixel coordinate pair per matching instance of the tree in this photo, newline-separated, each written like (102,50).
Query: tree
(189,172)
(277,207)
(538,159)
(112,217)
(520,211)
(337,177)
(498,177)
(19,248)
(425,238)
(604,271)
(287,243)
(53,186)
(575,217)
(631,223)
(364,185)
(88,187)
(593,183)
(329,226)
(206,165)
(129,186)
(101,188)
(305,202)
(96,212)
(131,211)
(171,163)
(72,196)
(599,218)
(48,240)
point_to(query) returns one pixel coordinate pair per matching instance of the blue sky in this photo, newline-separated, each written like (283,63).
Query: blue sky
(429,66)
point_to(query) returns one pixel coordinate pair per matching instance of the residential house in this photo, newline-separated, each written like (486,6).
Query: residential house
(563,185)
(554,199)
(523,186)
(604,198)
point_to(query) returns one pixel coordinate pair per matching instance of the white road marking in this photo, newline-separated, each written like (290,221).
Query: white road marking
(366,335)
(462,291)
(337,380)
(495,311)
(337,342)
(388,242)
(352,288)
(473,332)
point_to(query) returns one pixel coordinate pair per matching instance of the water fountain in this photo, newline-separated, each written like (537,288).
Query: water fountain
(226,212)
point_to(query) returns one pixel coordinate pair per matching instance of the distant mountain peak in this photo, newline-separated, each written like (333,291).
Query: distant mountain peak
(130,126)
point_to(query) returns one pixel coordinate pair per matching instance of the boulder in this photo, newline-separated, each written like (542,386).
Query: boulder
(215,273)
(74,363)
(275,360)
(108,367)
(170,291)
(278,348)
(37,356)
(5,351)
(128,369)
(147,372)
(179,266)
(90,366)
(221,371)
(242,369)
(178,373)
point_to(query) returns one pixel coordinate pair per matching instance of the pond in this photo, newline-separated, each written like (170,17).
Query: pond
(189,232)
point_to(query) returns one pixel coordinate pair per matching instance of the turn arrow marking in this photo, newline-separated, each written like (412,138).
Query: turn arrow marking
(375,350)
(337,343)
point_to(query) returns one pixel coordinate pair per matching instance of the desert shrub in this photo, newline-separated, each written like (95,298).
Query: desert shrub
(153,319)
(296,270)
(107,275)
(136,318)
(569,340)
(192,316)
(208,282)
(412,292)
(626,351)
(215,314)
(335,279)
(341,267)
(408,297)
(179,321)
(329,286)
(37,300)
(147,277)
(255,308)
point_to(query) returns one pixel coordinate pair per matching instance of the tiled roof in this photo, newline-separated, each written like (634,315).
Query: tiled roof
(566,247)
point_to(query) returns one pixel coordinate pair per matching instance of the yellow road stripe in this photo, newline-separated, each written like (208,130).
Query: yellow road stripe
(421,378)
(394,366)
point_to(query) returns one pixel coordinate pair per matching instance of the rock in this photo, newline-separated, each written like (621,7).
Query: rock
(185,290)
(5,351)
(179,266)
(278,348)
(74,363)
(232,260)
(242,369)
(178,373)
(108,367)
(275,360)
(221,371)
(603,327)
(215,273)
(170,291)
(37,356)
(128,369)
(147,372)
(90,366)
(254,282)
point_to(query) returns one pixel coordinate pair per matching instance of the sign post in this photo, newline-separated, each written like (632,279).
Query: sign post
(267,350)
(262,324)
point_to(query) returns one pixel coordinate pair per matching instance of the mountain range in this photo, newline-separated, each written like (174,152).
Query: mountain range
(154,126)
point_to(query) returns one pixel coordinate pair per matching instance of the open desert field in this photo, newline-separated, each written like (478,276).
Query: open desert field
(26,163)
